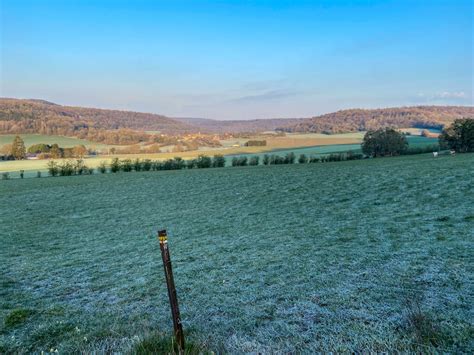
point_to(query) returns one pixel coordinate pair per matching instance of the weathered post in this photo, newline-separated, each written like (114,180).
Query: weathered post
(165,254)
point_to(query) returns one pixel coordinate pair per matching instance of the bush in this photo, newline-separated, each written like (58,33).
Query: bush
(179,163)
(239,161)
(66,168)
(290,158)
(5,176)
(203,162)
(53,168)
(218,161)
(421,150)
(38,174)
(126,165)
(314,159)
(22,174)
(303,159)
(115,165)
(137,165)
(191,164)
(254,160)
(39,148)
(79,167)
(102,167)
(147,164)
(266,159)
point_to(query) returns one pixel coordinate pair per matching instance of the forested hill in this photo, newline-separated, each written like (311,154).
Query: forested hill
(238,126)
(43,117)
(122,127)
(361,120)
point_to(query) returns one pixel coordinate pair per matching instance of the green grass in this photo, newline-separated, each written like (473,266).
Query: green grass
(413,142)
(362,256)
(64,142)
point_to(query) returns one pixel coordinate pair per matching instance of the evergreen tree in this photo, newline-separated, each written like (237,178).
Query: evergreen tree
(18,148)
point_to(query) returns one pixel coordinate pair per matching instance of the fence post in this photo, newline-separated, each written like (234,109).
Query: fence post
(165,254)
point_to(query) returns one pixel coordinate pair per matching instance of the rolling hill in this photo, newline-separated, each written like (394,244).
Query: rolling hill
(43,117)
(362,120)
(238,126)
(127,127)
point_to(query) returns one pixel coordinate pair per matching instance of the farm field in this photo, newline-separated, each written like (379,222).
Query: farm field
(358,256)
(64,142)
(326,147)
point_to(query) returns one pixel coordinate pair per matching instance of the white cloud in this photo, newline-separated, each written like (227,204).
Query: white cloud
(451,95)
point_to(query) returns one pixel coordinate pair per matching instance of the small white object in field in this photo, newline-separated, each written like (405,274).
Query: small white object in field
(435,154)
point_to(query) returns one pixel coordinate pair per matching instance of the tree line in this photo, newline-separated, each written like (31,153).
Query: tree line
(458,137)
(18,151)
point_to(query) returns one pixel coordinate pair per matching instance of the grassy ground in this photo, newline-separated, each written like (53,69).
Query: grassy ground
(371,255)
(326,147)
(65,142)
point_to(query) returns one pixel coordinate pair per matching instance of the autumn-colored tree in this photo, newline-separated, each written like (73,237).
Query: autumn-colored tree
(6,149)
(79,151)
(18,148)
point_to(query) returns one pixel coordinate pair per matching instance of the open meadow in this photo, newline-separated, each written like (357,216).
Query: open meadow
(322,145)
(64,142)
(357,256)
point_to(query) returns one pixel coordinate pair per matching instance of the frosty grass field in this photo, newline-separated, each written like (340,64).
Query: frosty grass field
(371,255)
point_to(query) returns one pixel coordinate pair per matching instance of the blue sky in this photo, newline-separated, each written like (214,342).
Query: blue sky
(238,59)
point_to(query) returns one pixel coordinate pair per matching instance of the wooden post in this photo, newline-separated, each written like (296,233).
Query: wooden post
(165,254)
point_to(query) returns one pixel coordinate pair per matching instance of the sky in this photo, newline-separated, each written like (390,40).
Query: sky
(238,59)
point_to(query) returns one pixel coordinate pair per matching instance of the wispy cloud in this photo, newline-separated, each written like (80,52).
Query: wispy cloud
(444,96)
(265,96)
(451,95)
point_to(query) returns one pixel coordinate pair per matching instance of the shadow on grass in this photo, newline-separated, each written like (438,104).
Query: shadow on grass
(17,317)
(159,344)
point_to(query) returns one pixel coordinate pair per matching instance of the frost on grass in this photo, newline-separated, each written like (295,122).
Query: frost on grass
(305,258)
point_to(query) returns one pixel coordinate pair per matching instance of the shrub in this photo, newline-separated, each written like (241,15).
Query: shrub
(66,168)
(266,159)
(38,174)
(126,165)
(203,161)
(5,176)
(137,165)
(79,167)
(90,171)
(39,148)
(290,158)
(421,150)
(115,165)
(179,163)
(166,165)
(239,161)
(218,161)
(303,159)
(190,164)
(146,165)
(22,174)
(254,160)
(102,167)
(53,168)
